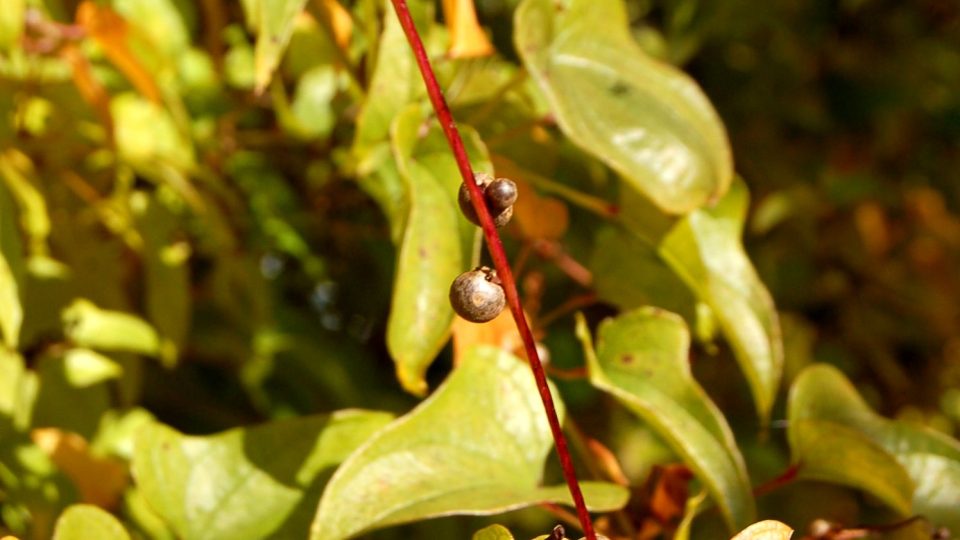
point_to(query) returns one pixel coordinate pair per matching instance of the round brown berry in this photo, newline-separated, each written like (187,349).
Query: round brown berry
(477,296)
(501,194)
(501,214)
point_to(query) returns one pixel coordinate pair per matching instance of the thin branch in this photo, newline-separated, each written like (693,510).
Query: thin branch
(499,256)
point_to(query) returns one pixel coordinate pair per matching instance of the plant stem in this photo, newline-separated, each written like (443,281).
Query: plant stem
(499,256)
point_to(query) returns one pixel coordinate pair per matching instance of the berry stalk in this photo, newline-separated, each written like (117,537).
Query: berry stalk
(499,256)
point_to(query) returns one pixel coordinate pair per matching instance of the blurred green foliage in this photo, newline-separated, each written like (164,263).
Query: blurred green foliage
(223,225)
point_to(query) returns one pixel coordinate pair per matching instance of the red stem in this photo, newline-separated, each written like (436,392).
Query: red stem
(495,247)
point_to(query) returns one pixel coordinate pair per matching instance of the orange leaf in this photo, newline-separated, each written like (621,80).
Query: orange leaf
(100,481)
(539,217)
(669,496)
(467,39)
(112,33)
(337,19)
(501,332)
(89,87)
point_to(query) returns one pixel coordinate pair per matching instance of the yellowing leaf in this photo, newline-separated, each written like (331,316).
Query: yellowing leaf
(11,23)
(542,218)
(337,19)
(112,33)
(501,333)
(765,530)
(467,39)
(493,532)
(100,481)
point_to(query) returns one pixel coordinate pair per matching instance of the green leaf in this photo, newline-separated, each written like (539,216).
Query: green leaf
(160,20)
(434,249)
(312,101)
(831,452)
(647,120)
(476,446)
(84,367)
(629,273)
(11,309)
(395,83)
(86,325)
(84,521)
(765,530)
(147,136)
(11,23)
(641,359)
(257,482)
(18,172)
(493,532)
(167,276)
(931,460)
(705,250)
(274,26)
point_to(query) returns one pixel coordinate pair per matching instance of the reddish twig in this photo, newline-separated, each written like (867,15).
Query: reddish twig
(499,256)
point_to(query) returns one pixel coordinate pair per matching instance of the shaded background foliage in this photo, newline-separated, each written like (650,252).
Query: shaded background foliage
(234,224)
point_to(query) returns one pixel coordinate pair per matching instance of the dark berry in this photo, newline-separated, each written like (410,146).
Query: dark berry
(477,296)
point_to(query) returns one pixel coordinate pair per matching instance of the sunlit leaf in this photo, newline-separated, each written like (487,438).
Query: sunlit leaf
(337,19)
(312,101)
(11,23)
(436,245)
(467,39)
(493,532)
(86,325)
(477,445)
(18,172)
(85,521)
(11,312)
(765,530)
(257,482)
(823,396)
(159,20)
(100,481)
(641,359)
(705,250)
(647,120)
(84,367)
(274,26)
(146,134)
(394,83)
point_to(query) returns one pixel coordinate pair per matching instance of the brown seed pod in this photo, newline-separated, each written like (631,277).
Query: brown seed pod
(501,215)
(476,295)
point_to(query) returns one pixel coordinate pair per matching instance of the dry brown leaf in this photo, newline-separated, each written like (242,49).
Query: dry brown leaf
(112,34)
(100,481)
(467,39)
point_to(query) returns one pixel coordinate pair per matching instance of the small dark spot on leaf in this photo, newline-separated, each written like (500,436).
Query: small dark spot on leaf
(422,252)
(626,359)
(619,88)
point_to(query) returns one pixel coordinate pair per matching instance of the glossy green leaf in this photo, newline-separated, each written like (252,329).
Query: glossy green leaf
(274,26)
(830,452)
(705,250)
(641,359)
(257,482)
(477,445)
(86,521)
(86,325)
(932,460)
(493,532)
(647,120)
(434,248)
